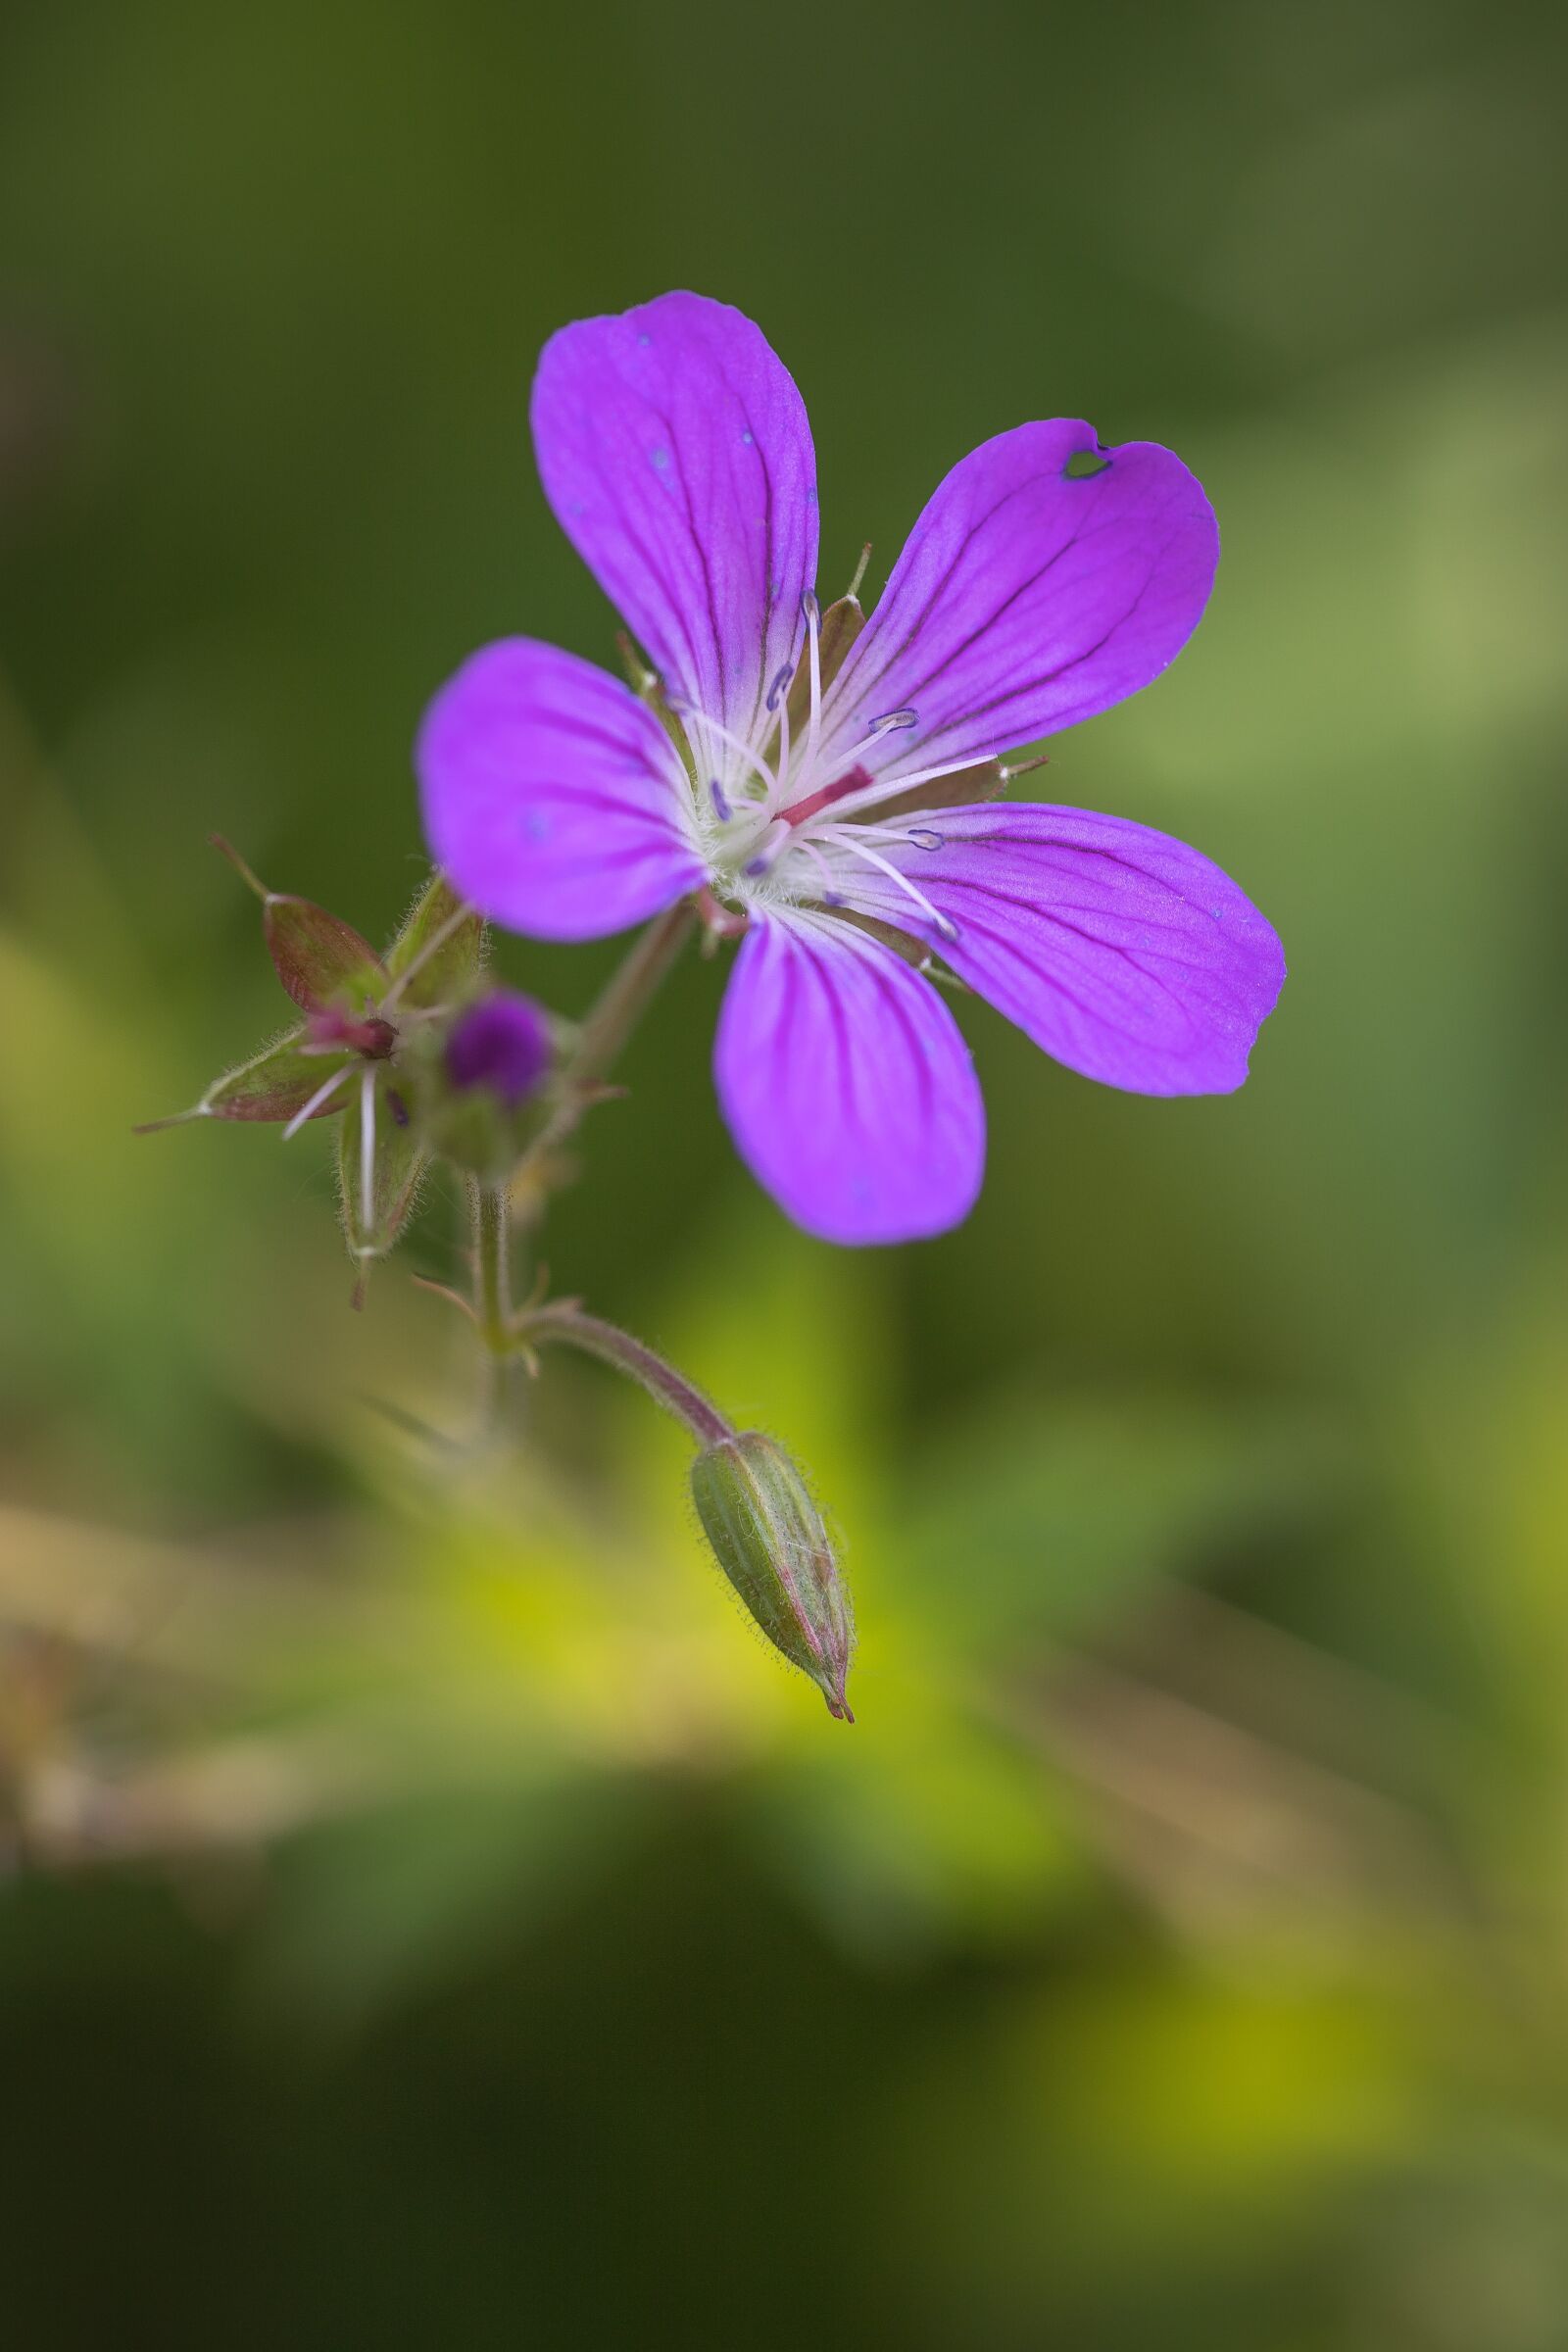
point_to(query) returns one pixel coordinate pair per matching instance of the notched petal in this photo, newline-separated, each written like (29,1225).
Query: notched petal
(1046,580)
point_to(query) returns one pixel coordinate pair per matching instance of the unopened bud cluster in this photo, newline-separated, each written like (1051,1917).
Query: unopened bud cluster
(421,1057)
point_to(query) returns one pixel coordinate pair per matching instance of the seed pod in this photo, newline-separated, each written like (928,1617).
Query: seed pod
(768,1538)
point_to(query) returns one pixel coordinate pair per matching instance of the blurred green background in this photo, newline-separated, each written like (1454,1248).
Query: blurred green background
(426,1916)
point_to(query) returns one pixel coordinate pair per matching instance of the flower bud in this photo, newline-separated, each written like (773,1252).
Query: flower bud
(502,1045)
(768,1538)
(481,1103)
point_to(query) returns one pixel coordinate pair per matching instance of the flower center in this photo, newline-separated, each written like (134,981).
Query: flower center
(777,820)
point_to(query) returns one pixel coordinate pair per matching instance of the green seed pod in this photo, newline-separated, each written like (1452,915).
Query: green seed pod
(768,1538)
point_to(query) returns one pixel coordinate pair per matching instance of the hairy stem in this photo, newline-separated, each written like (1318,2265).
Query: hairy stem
(571,1326)
(490,1212)
(599,1043)
(627,998)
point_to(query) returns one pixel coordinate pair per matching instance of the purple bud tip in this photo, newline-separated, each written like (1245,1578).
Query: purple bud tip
(502,1044)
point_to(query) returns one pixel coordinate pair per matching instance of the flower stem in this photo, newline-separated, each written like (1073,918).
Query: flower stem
(565,1323)
(490,1211)
(606,1029)
(627,998)
(600,1040)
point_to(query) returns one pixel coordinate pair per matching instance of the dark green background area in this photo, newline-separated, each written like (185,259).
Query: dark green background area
(429,1919)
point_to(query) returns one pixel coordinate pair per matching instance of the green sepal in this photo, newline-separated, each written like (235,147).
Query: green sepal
(484,1137)
(984,782)
(768,1538)
(274,1084)
(453,964)
(648,687)
(840,626)
(320,958)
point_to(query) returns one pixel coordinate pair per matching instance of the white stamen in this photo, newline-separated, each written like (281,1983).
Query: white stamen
(782,781)
(770,844)
(368,1149)
(832,894)
(685,711)
(323,1093)
(813,624)
(844,835)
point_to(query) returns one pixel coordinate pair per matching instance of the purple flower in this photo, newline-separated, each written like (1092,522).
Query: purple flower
(1046,579)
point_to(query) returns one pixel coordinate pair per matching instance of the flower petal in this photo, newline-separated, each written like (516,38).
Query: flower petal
(552,798)
(1027,597)
(1120,952)
(847,1085)
(675,450)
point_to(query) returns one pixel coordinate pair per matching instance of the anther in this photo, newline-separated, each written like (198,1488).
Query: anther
(924,838)
(892,722)
(780,685)
(720,800)
(845,837)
